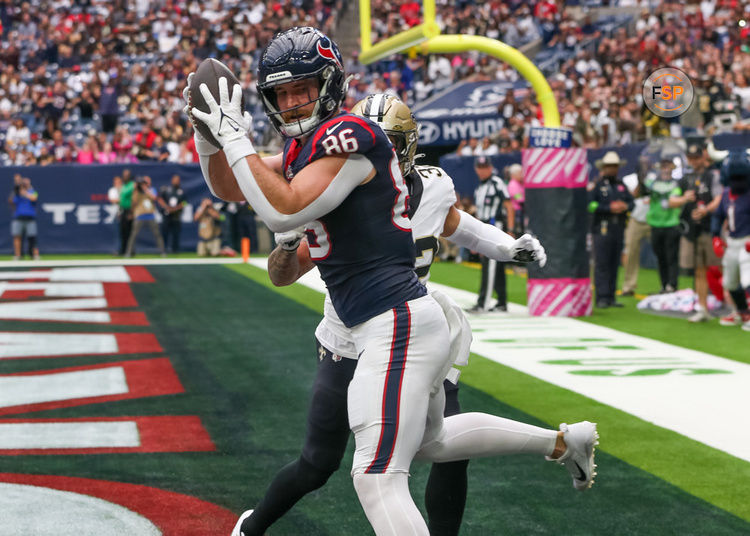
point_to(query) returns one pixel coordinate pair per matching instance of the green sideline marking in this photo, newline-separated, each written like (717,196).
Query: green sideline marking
(705,472)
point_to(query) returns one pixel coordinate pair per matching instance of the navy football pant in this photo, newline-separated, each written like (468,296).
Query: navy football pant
(325,444)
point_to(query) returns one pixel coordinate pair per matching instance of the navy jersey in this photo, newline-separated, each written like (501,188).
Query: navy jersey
(363,248)
(736,210)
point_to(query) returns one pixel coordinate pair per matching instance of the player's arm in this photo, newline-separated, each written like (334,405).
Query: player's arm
(285,266)
(316,190)
(219,176)
(467,231)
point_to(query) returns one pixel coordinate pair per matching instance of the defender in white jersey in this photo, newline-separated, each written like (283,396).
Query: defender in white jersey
(449,442)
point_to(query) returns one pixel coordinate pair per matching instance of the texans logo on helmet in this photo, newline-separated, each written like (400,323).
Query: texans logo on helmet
(327,52)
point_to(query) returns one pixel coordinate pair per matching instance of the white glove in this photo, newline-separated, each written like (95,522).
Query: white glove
(289,241)
(226,121)
(528,249)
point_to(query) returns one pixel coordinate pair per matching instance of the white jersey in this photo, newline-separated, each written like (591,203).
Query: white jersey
(434,194)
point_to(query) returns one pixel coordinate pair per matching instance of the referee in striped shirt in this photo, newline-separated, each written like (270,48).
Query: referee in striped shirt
(493,206)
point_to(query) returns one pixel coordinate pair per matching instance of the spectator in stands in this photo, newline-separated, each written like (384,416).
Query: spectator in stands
(144,214)
(23,202)
(487,148)
(696,249)
(61,149)
(468,147)
(172,200)
(105,154)
(87,153)
(209,229)
(18,135)
(123,145)
(108,107)
(665,199)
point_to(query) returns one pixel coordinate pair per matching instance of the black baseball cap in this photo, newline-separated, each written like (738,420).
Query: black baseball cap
(482,161)
(694,149)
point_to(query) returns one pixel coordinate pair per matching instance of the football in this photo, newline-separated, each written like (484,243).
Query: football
(209,72)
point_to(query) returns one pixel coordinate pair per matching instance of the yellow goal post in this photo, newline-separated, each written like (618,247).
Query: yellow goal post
(425,38)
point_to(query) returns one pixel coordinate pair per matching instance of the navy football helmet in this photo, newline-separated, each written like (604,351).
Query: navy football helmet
(297,54)
(735,171)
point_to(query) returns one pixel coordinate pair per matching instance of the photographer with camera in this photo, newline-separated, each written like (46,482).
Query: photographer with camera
(23,200)
(696,249)
(144,214)
(209,229)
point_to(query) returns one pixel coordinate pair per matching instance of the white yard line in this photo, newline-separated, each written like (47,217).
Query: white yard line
(119,262)
(698,395)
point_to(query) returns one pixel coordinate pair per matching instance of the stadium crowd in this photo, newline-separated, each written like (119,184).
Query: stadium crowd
(99,81)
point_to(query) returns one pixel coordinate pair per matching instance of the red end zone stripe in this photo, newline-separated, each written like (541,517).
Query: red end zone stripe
(119,295)
(134,318)
(137,343)
(139,274)
(144,377)
(174,513)
(183,433)
(22,294)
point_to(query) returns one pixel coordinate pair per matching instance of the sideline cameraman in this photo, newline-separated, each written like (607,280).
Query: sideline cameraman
(144,214)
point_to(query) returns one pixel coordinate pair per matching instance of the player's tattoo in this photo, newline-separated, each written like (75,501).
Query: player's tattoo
(283,266)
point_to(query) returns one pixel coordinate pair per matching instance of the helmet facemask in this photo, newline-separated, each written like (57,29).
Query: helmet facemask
(405,144)
(325,105)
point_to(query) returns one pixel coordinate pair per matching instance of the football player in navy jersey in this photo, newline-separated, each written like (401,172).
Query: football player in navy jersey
(343,181)
(734,208)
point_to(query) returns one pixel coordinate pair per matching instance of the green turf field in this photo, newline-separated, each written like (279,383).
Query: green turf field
(244,353)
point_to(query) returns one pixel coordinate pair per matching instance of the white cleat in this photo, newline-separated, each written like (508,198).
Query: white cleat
(578,459)
(236,530)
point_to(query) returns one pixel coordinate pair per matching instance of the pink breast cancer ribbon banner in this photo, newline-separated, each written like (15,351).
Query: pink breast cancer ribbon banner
(555,179)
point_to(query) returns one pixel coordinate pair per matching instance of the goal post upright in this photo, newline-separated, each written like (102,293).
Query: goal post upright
(425,39)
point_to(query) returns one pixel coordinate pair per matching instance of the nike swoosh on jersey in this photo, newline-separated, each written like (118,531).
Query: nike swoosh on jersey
(330,130)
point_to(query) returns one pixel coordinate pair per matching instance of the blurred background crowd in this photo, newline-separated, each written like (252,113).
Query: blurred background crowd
(100,81)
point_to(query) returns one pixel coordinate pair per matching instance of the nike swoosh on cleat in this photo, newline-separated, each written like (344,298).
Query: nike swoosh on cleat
(582,475)
(330,130)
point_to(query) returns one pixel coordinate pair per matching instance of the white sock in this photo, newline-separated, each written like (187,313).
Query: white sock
(476,435)
(388,505)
